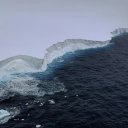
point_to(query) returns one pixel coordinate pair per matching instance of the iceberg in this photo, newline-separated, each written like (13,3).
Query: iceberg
(13,79)
(12,82)
(20,64)
(4,116)
(25,64)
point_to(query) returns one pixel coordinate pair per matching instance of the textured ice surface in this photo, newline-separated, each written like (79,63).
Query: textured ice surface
(19,64)
(4,116)
(69,45)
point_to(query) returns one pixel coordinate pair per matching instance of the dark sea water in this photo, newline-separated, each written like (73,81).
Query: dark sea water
(95,94)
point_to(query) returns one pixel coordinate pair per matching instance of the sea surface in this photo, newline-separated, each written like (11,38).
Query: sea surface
(84,89)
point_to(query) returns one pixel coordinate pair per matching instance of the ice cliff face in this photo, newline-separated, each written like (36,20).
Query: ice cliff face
(21,64)
(70,45)
(30,64)
(119,31)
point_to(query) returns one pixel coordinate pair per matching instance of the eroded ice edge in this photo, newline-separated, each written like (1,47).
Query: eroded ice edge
(5,115)
(27,85)
(23,64)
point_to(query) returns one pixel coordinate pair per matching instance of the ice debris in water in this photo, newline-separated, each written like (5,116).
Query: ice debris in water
(4,116)
(51,101)
(38,126)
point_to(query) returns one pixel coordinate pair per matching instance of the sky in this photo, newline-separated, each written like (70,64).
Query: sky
(28,27)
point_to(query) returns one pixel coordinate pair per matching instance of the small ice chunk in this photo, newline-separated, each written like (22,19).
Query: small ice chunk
(38,126)
(4,113)
(26,104)
(41,104)
(51,101)
(4,116)
(14,108)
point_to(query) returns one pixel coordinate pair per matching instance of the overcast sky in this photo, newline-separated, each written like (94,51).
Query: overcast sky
(30,26)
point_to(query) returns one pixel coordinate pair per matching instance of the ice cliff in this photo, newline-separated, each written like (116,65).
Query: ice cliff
(19,64)
(69,45)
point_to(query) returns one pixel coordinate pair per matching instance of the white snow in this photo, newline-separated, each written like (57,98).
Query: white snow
(4,116)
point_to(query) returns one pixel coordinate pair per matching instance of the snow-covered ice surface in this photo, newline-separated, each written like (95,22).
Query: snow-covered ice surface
(69,45)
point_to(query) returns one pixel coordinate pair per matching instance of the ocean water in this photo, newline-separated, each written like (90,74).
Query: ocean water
(89,89)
